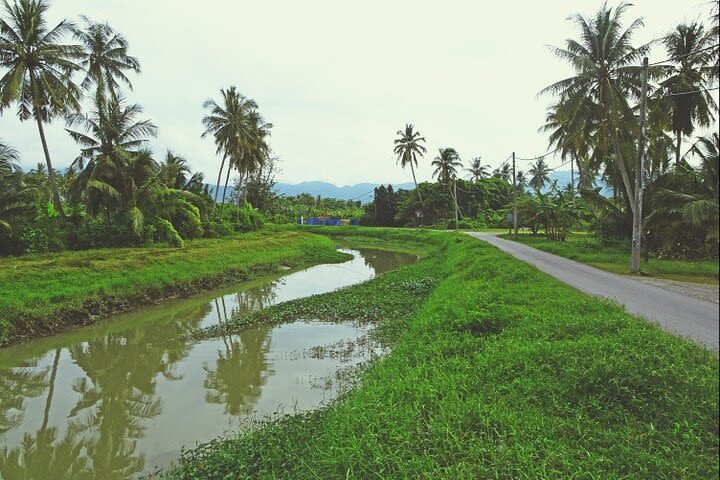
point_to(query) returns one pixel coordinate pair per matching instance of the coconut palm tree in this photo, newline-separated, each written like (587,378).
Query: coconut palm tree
(174,171)
(688,43)
(686,198)
(573,144)
(606,77)
(408,147)
(539,174)
(477,170)
(231,129)
(105,59)
(446,165)
(39,69)
(114,169)
(255,151)
(504,172)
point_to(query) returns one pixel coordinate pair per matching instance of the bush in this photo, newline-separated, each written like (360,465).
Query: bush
(167,233)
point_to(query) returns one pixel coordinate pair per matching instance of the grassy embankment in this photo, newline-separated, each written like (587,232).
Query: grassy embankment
(496,371)
(45,294)
(588,249)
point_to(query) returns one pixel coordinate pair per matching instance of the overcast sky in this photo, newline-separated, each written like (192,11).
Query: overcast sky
(338,79)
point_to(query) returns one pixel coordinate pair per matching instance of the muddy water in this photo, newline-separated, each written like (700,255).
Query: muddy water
(122,397)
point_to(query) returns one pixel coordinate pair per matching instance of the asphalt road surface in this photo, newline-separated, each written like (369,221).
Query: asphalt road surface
(675,313)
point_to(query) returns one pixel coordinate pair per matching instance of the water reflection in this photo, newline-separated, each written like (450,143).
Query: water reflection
(114,400)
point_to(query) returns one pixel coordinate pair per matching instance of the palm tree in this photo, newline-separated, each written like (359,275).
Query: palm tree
(408,147)
(504,172)
(446,165)
(111,158)
(174,171)
(606,75)
(230,126)
(477,170)
(686,198)
(539,174)
(688,44)
(9,158)
(559,122)
(105,59)
(39,70)
(254,152)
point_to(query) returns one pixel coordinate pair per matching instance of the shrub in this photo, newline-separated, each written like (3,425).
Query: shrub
(167,233)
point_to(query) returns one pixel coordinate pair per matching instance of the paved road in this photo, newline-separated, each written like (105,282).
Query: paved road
(676,313)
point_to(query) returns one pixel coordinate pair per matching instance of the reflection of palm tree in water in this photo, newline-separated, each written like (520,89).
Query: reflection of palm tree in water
(240,371)
(41,455)
(44,456)
(17,384)
(118,395)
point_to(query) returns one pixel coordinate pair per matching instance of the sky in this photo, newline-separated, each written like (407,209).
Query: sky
(338,79)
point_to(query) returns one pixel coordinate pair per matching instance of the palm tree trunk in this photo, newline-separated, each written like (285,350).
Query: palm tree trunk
(51,172)
(624,174)
(237,213)
(412,169)
(572,175)
(227,179)
(217,186)
(677,147)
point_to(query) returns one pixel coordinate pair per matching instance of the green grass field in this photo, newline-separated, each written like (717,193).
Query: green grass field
(496,370)
(43,294)
(588,249)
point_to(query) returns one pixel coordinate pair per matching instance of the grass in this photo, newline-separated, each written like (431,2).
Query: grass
(44,294)
(496,371)
(588,249)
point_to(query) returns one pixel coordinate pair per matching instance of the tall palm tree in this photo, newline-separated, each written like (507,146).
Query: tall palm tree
(477,170)
(39,70)
(229,125)
(539,174)
(446,165)
(688,43)
(255,151)
(606,78)
(105,60)
(408,147)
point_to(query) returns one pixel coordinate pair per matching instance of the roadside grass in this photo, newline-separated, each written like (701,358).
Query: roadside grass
(588,249)
(496,370)
(44,294)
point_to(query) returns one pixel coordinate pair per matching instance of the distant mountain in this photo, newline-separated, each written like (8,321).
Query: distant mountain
(364,191)
(359,191)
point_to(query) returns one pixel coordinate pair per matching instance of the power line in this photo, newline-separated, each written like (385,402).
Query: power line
(688,93)
(677,57)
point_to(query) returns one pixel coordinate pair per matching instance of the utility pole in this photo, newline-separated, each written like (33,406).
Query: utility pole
(640,169)
(456,203)
(515,216)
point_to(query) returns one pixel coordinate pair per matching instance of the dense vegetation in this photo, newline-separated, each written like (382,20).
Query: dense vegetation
(496,371)
(44,294)
(115,193)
